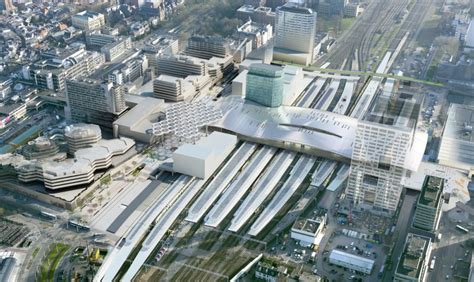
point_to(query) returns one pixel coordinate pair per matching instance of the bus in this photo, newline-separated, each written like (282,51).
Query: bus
(463,229)
(49,215)
(78,225)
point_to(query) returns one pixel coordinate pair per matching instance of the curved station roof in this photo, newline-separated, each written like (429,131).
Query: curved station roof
(323,133)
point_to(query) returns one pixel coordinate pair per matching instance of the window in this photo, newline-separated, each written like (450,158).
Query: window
(370,179)
(384,163)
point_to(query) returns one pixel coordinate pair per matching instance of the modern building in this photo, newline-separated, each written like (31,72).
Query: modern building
(386,145)
(413,263)
(173,89)
(259,34)
(59,65)
(428,207)
(469,37)
(99,39)
(130,71)
(81,135)
(11,110)
(94,101)
(181,66)
(206,47)
(295,34)
(115,49)
(265,85)
(87,20)
(202,159)
(138,121)
(40,148)
(261,14)
(309,231)
(154,47)
(457,143)
(351,261)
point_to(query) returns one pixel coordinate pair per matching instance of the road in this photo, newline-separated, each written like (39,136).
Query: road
(404,221)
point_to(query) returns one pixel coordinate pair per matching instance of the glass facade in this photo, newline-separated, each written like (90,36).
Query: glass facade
(265,85)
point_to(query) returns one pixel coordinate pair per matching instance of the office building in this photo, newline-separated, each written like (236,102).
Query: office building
(117,48)
(413,263)
(351,261)
(457,144)
(95,102)
(130,71)
(154,47)
(173,89)
(259,34)
(181,66)
(295,34)
(262,14)
(206,47)
(428,207)
(352,10)
(385,146)
(98,39)
(265,85)
(87,20)
(59,65)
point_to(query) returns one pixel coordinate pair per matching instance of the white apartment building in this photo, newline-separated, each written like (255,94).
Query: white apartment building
(87,20)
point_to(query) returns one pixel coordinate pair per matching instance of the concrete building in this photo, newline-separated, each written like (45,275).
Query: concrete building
(81,135)
(457,144)
(428,207)
(352,10)
(40,148)
(117,48)
(413,263)
(99,39)
(11,110)
(259,34)
(261,14)
(469,37)
(206,47)
(265,85)
(94,101)
(386,145)
(351,261)
(309,231)
(130,72)
(202,159)
(52,72)
(295,34)
(154,47)
(138,121)
(173,89)
(87,20)
(181,66)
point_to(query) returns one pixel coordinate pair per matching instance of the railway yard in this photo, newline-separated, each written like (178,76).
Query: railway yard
(155,225)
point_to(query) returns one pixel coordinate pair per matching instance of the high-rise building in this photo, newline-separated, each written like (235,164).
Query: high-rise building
(94,101)
(428,207)
(295,32)
(265,85)
(386,145)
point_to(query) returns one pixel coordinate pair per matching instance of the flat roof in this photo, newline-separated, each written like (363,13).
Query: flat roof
(431,192)
(145,107)
(352,259)
(414,253)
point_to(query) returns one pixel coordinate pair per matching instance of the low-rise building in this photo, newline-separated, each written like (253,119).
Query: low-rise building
(117,48)
(428,207)
(202,159)
(309,231)
(351,261)
(352,10)
(259,34)
(457,143)
(260,14)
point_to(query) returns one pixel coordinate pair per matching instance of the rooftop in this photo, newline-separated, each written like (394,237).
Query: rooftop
(413,255)
(431,191)
(82,130)
(460,123)
(295,8)
(399,108)
(353,259)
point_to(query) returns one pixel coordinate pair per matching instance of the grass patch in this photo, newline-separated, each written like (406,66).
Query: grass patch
(51,262)
(346,23)
(35,252)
